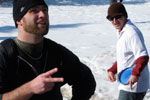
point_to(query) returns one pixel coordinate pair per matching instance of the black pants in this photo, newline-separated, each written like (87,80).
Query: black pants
(124,95)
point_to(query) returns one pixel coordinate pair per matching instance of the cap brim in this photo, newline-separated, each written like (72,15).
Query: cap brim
(113,15)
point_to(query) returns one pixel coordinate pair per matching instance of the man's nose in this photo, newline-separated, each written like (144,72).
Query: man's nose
(42,14)
(114,20)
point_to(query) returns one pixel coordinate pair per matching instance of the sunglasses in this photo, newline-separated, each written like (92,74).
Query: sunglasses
(112,18)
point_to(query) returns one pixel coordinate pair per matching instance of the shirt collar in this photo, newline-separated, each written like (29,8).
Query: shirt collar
(119,34)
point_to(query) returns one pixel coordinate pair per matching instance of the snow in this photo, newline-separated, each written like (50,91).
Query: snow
(83,28)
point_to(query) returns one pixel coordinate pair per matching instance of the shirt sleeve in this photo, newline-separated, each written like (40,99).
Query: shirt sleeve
(84,89)
(139,50)
(2,71)
(78,75)
(113,68)
(141,62)
(137,44)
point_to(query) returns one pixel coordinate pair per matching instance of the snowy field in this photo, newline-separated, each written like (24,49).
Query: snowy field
(83,28)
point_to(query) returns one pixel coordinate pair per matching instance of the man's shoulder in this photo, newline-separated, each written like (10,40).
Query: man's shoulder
(131,28)
(52,45)
(7,47)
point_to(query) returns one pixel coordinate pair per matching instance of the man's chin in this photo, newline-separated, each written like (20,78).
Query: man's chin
(43,28)
(117,27)
(43,31)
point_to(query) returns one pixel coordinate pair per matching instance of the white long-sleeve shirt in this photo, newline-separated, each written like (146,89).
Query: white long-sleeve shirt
(130,46)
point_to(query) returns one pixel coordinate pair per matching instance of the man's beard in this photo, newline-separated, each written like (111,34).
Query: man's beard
(33,29)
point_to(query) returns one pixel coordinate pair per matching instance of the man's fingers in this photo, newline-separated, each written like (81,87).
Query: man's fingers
(54,80)
(50,72)
(111,78)
(131,85)
(57,79)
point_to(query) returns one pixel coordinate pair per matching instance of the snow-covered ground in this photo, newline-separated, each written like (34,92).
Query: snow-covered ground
(84,29)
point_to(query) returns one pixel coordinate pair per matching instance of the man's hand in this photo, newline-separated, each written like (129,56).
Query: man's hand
(133,79)
(41,84)
(44,82)
(111,76)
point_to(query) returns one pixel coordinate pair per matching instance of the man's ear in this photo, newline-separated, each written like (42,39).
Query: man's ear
(18,22)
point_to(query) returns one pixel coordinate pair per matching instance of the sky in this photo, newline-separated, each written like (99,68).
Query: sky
(82,27)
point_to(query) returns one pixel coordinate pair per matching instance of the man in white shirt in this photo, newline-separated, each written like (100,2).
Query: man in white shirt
(131,52)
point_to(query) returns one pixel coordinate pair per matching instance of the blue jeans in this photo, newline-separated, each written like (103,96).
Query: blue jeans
(124,95)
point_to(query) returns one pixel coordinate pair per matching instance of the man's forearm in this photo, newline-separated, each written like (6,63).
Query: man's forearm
(21,93)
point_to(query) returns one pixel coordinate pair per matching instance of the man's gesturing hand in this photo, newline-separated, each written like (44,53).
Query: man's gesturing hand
(44,82)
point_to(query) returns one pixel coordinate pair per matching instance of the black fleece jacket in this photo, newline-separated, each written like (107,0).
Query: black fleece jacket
(17,68)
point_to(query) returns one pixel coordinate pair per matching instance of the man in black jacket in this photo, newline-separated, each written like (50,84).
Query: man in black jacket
(33,67)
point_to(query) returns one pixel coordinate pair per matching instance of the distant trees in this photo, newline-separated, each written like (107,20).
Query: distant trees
(5,0)
(113,1)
